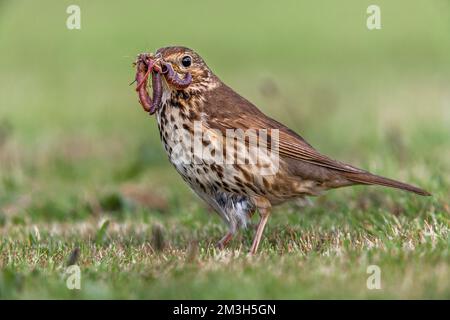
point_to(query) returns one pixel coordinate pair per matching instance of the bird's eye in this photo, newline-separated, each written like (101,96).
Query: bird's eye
(186,61)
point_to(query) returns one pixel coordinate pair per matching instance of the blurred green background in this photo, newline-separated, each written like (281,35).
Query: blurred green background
(76,148)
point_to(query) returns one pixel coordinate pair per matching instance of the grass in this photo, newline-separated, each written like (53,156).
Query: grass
(83,176)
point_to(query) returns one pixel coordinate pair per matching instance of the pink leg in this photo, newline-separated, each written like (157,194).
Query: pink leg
(225,240)
(265,213)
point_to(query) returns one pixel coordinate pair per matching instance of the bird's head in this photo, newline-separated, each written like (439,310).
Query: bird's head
(187,66)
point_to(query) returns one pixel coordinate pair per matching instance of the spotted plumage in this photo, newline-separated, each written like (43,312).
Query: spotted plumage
(238,188)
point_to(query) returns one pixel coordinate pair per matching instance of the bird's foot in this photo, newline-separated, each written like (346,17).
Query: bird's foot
(224,241)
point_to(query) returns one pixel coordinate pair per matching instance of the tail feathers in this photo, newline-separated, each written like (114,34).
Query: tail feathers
(368,178)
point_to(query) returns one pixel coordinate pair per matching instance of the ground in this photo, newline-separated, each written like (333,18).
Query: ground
(84,179)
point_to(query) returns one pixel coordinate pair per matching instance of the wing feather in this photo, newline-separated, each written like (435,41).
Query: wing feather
(234,112)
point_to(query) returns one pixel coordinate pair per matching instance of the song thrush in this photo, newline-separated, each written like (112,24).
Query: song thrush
(263,164)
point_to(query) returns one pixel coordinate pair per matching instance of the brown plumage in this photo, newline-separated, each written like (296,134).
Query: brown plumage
(291,168)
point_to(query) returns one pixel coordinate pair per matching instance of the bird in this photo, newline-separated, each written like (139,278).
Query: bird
(262,165)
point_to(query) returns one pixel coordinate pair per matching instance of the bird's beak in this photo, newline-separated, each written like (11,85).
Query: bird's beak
(157,63)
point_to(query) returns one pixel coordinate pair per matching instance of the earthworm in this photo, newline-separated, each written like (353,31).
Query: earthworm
(157,91)
(172,77)
(145,67)
(141,88)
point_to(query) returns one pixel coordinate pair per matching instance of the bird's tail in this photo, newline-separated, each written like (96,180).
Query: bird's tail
(368,178)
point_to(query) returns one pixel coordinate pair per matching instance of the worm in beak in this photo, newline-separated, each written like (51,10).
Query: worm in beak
(146,65)
(173,78)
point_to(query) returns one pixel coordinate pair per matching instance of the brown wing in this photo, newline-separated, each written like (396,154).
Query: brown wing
(231,111)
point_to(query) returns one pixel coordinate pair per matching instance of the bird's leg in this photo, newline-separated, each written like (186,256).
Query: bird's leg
(225,240)
(264,213)
(264,210)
